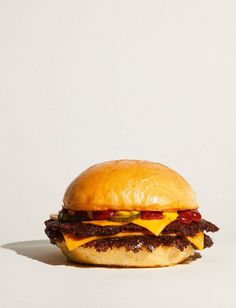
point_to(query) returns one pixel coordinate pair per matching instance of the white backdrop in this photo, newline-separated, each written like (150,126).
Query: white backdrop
(87,81)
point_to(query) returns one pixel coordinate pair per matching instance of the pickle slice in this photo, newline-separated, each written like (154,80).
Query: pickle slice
(63,217)
(66,217)
(125,216)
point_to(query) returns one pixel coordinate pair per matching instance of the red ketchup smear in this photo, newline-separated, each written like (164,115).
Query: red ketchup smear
(103,215)
(187,217)
(151,215)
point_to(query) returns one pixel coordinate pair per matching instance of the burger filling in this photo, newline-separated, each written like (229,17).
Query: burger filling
(132,229)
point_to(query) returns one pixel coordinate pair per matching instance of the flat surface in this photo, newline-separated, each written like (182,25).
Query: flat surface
(35,274)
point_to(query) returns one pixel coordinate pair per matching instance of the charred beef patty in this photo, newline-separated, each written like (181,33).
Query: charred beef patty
(81,229)
(54,230)
(150,243)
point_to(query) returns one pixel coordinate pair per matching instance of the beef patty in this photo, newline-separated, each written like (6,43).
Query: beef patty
(54,230)
(137,243)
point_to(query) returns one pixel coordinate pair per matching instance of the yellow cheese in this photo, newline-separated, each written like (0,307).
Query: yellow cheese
(73,242)
(197,240)
(104,223)
(153,225)
(156,225)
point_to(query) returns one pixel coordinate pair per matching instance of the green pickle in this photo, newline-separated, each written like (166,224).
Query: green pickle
(125,216)
(66,217)
(63,217)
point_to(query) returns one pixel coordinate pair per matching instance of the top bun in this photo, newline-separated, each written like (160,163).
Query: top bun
(129,185)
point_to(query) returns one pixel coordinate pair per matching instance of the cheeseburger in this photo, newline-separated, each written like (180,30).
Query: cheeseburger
(129,213)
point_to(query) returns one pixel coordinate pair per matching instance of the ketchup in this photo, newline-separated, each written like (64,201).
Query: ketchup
(151,215)
(103,215)
(187,217)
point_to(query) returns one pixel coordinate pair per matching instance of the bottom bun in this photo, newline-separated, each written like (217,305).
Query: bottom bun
(119,257)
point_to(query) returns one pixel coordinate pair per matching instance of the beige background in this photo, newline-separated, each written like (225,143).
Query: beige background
(87,81)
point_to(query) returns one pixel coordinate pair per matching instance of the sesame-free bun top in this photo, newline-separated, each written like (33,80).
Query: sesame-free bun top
(129,185)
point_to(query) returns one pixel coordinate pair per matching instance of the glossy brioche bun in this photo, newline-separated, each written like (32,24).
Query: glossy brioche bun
(119,257)
(129,185)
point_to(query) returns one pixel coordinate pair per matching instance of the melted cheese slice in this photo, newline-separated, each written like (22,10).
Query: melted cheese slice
(73,242)
(197,240)
(153,225)
(104,223)
(156,225)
